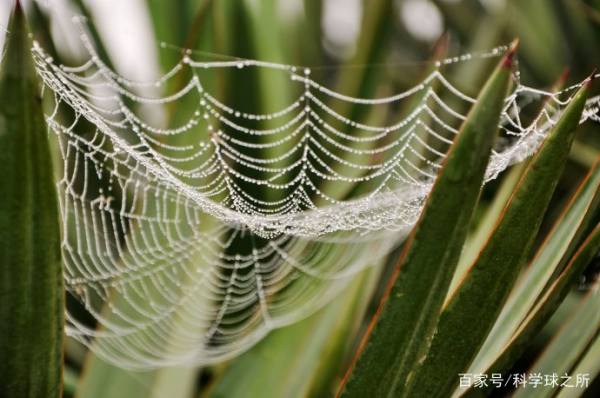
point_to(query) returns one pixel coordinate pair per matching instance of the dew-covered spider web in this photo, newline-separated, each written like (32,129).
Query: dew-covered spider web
(187,239)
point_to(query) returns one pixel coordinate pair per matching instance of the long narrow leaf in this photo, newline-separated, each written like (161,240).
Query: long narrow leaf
(544,308)
(477,240)
(588,365)
(402,329)
(482,293)
(31,284)
(568,345)
(558,248)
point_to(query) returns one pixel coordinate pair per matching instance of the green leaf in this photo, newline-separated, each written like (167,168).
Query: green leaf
(485,226)
(171,23)
(403,327)
(556,251)
(459,14)
(309,32)
(70,381)
(583,34)
(31,284)
(537,23)
(476,241)
(584,154)
(100,379)
(589,364)
(544,308)
(487,33)
(376,29)
(481,295)
(567,346)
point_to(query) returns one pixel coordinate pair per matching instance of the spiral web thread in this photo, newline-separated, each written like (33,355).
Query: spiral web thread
(187,244)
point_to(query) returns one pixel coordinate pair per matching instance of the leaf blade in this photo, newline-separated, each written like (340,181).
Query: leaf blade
(589,364)
(431,255)
(481,295)
(558,248)
(562,353)
(31,284)
(544,308)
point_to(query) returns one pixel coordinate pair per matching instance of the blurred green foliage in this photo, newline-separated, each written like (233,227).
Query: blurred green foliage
(386,55)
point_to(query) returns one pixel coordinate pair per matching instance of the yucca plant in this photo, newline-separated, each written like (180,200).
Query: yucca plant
(433,341)
(31,284)
(465,306)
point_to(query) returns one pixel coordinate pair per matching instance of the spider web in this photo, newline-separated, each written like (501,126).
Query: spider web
(187,243)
